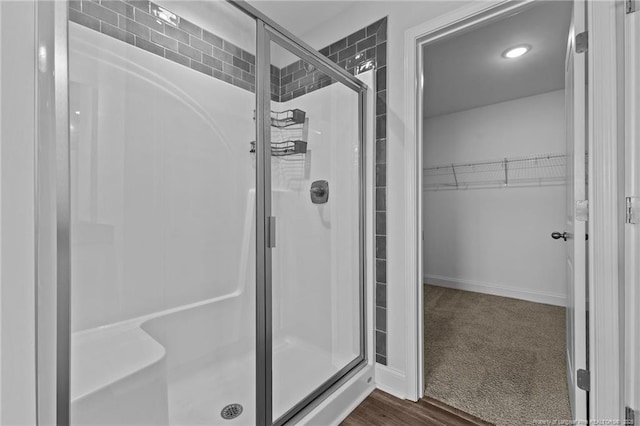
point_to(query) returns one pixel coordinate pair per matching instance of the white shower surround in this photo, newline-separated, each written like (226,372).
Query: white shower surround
(144,349)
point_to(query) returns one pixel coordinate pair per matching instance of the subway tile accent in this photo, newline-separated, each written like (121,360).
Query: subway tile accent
(119,7)
(381,359)
(183,42)
(176,57)
(77,16)
(381,246)
(381,344)
(381,295)
(366,44)
(381,271)
(116,32)
(381,201)
(381,319)
(132,22)
(99,12)
(176,34)
(213,39)
(162,40)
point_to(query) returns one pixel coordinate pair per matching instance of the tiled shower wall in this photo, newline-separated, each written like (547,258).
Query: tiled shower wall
(185,43)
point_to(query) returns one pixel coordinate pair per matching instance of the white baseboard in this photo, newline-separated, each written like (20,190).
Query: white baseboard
(391,381)
(496,290)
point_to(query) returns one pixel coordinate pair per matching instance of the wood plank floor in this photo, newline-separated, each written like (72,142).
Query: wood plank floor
(383,409)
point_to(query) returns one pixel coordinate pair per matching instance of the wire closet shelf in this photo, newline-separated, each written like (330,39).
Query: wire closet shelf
(531,170)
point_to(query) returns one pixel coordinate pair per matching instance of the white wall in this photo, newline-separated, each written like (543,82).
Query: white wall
(497,240)
(17,194)
(161,182)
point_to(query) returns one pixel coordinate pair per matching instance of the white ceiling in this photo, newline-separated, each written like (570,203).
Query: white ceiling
(468,71)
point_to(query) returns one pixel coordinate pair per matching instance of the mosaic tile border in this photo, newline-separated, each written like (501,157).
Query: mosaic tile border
(180,41)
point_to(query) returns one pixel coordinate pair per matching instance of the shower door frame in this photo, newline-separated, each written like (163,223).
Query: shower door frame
(268,31)
(53,329)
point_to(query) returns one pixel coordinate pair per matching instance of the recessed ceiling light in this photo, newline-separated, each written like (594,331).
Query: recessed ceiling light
(516,52)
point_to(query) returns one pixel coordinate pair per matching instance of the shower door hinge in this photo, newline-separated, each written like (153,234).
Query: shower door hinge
(584,380)
(629,416)
(630,6)
(271,232)
(582,210)
(582,42)
(632,210)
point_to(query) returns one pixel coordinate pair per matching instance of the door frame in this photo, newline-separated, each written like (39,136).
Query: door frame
(632,231)
(606,204)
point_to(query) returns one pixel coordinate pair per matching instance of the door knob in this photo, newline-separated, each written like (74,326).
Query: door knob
(557,235)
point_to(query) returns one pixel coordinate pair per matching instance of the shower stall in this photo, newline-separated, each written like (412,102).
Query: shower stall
(208,243)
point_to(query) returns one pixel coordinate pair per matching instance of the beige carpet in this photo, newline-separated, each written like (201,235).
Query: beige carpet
(500,359)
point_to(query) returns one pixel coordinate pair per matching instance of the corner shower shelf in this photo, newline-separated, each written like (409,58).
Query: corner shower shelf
(280,149)
(532,170)
(289,132)
(290,117)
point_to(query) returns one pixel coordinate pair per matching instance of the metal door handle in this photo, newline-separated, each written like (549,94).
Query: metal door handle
(557,235)
(319,191)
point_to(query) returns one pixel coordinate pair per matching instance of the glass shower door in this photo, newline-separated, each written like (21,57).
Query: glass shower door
(316,276)
(162,98)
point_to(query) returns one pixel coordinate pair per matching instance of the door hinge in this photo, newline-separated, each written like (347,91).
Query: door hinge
(582,42)
(271,232)
(584,380)
(632,210)
(630,6)
(582,210)
(629,416)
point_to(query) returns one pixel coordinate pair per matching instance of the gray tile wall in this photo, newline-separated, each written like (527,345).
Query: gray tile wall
(296,81)
(183,42)
(350,53)
(187,44)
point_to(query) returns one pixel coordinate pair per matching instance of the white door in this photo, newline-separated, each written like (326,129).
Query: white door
(575,232)
(632,230)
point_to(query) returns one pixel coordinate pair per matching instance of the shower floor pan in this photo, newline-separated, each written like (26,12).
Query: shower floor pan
(170,368)
(199,397)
